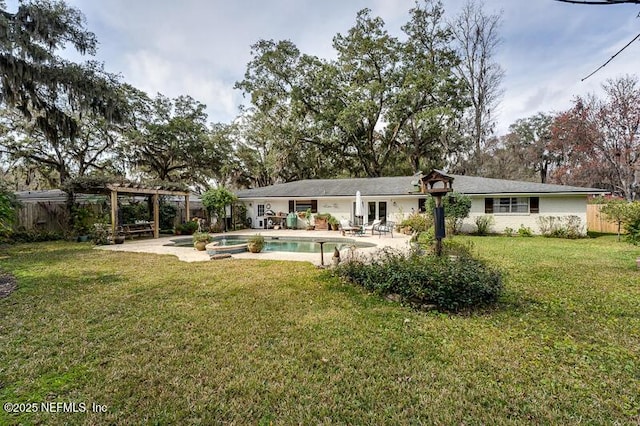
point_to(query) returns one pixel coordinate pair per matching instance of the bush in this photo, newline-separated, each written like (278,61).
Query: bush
(187,228)
(167,213)
(525,231)
(417,222)
(484,224)
(627,213)
(135,211)
(31,236)
(509,231)
(561,227)
(633,232)
(451,284)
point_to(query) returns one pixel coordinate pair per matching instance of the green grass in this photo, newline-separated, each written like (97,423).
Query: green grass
(164,342)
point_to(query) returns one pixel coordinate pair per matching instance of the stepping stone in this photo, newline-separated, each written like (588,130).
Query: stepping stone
(220,256)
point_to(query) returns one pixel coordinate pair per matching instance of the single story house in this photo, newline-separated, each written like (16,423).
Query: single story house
(512,203)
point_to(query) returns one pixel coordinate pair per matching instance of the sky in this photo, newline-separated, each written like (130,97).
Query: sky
(201,47)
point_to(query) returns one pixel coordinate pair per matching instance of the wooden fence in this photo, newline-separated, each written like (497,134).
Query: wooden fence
(43,216)
(597,222)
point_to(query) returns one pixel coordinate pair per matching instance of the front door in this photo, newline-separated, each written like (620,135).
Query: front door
(382,211)
(371,211)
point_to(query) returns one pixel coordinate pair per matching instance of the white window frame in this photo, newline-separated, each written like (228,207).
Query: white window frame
(514,205)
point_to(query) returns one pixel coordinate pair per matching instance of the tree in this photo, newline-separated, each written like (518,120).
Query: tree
(216,201)
(531,136)
(362,114)
(171,141)
(477,37)
(598,140)
(50,92)
(617,211)
(90,149)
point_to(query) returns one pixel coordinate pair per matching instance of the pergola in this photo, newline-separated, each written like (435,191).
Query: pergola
(134,189)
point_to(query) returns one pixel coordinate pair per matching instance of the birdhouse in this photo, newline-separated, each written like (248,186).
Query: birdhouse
(436,183)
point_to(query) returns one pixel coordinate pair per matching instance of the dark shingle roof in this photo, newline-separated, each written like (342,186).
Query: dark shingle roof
(403,185)
(479,185)
(334,188)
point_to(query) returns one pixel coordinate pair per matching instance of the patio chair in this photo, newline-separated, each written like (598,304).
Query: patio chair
(384,228)
(346,226)
(370,226)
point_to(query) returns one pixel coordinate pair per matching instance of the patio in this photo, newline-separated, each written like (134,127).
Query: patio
(185,254)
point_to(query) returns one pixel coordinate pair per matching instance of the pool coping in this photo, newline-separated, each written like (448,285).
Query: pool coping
(158,246)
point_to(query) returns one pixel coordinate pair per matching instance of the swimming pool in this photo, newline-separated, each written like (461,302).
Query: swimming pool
(286,244)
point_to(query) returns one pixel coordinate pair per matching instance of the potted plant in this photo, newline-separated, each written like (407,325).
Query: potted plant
(308,216)
(119,237)
(334,223)
(82,223)
(322,221)
(255,243)
(200,240)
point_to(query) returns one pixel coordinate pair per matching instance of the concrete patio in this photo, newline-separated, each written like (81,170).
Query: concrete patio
(187,254)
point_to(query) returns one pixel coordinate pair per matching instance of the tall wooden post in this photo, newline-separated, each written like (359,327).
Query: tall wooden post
(437,184)
(187,207)
(156,216)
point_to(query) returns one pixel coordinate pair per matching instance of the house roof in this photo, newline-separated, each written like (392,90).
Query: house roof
(404,185)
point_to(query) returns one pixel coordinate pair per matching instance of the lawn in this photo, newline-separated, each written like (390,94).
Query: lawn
(159,341)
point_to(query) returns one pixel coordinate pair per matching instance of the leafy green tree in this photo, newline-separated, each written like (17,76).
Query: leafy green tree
(171,141)
(216,201)
(624,213)
(525,153)
(91,149)
(377,109)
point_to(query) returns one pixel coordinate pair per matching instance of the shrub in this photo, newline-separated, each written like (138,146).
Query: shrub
(31,236)
(525,231)
(449,284)
(426,238)
(633,232)
(627,213)
(417,222)
(187,228)
(484,224)
(100,234)
(167,213)
(561,227)
(509,231)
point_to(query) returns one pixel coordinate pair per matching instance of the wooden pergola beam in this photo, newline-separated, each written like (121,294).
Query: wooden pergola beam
(155,192)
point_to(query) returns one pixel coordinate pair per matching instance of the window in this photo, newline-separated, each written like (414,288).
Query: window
(506,205)
(304,205)
(260,209)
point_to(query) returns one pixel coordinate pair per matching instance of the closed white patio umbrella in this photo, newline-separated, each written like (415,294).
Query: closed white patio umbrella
(359,205)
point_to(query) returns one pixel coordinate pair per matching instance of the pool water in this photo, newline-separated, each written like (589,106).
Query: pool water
(287,244)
